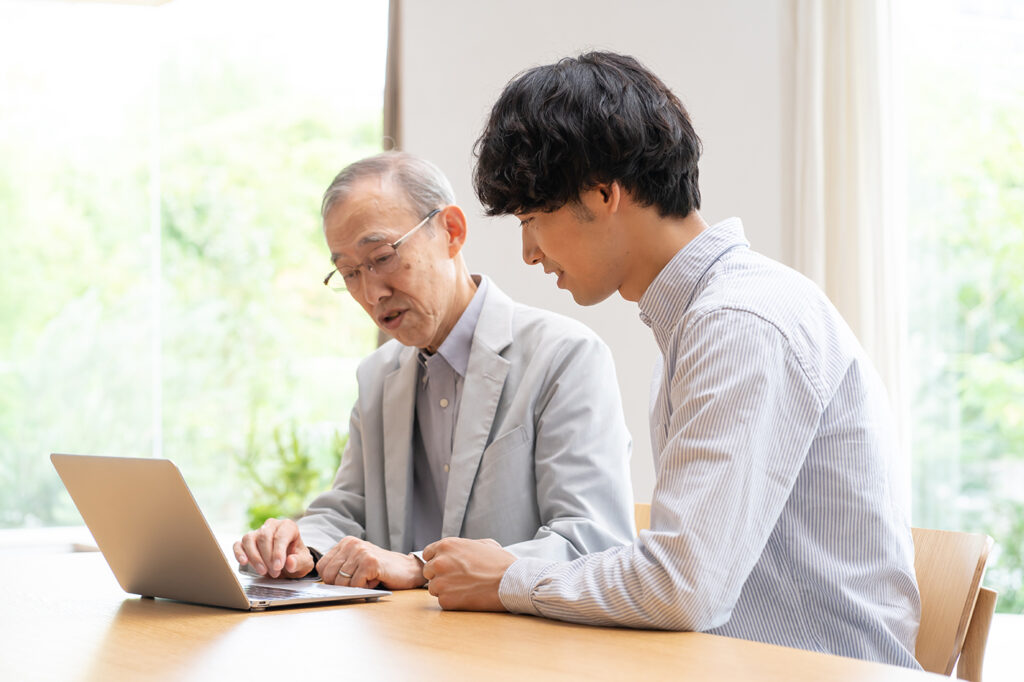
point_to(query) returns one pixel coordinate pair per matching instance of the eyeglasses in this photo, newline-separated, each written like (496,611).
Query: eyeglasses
(382,261)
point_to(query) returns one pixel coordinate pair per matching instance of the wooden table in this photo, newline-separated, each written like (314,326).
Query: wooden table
(71,621)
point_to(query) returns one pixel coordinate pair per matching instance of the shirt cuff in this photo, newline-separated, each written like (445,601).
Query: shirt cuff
(516,588)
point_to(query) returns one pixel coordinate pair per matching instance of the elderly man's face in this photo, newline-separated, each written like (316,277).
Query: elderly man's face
(416,303)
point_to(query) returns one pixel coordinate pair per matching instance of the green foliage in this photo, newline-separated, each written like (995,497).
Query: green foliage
(967,312)
(122,337)
(284,480)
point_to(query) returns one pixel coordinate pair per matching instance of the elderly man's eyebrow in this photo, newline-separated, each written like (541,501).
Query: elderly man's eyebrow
(372,238)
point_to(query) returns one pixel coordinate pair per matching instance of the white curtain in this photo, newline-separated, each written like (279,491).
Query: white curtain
(848,232)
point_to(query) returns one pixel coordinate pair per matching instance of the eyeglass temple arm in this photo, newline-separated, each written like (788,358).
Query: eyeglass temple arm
(423,222)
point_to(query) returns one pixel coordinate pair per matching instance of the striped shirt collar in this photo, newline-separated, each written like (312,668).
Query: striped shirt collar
(672,291)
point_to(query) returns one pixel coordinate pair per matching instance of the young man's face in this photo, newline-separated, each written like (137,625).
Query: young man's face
(582,247)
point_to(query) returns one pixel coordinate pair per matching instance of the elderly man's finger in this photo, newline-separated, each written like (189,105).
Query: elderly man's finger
(252,551)
(345,572)
(283,538)
(366,573)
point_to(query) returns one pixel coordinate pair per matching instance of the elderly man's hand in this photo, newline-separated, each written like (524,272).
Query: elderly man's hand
(276,550)
(465,574)
(359,563)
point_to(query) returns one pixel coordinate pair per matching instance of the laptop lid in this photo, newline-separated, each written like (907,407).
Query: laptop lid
(157,541)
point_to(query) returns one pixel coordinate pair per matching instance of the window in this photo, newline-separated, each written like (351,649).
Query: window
(160,177)
(964,69)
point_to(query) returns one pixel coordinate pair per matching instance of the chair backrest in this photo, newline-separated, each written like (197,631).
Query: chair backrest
(642,516)
(949,568)
(973,653)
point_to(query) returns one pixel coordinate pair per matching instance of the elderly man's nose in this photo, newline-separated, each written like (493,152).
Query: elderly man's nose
(375,287)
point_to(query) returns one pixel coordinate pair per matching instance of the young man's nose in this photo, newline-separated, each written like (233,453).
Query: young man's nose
(531,253)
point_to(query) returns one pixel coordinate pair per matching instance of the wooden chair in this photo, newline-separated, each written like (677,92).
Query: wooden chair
(972,654)
(642,516)
(955,610)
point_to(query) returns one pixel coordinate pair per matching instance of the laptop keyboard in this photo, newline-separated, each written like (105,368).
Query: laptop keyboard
(265,592)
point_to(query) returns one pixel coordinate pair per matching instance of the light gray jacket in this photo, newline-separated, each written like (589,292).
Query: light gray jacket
(541,450)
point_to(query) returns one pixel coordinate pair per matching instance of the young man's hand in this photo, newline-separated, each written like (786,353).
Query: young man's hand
(465,574)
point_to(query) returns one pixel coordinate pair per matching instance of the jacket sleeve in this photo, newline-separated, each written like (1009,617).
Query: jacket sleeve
(581,456)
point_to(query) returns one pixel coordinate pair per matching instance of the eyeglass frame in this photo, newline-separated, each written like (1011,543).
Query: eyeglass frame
(394,246)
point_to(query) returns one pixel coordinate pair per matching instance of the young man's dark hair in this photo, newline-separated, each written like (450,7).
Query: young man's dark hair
(561,129)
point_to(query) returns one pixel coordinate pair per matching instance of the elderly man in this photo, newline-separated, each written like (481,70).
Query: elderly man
(483,418)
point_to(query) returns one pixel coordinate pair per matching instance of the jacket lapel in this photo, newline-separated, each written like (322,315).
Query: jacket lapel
(485,379)
(397,421)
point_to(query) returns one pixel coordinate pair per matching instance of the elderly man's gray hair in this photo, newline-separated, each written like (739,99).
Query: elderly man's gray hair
(423,183)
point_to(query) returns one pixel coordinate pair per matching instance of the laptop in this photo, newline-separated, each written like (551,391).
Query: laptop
(158,543)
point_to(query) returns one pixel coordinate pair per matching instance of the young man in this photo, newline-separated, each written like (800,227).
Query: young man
(772,518)
(483,418)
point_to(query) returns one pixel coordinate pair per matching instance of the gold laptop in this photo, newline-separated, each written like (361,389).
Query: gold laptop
(158,543)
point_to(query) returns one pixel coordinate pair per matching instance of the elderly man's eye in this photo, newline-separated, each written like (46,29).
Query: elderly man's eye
(382,258)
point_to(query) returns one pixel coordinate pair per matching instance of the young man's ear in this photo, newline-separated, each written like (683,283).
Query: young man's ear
(606,197)
(453,222)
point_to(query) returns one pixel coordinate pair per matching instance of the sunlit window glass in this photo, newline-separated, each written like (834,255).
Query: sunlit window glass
(161,169)
(964,68)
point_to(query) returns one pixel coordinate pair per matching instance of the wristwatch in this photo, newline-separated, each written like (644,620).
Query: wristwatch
(317,556)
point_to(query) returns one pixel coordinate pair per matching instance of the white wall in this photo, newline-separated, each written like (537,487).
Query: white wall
(729,61)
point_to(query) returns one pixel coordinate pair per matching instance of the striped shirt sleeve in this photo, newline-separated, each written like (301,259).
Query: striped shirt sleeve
(736,415)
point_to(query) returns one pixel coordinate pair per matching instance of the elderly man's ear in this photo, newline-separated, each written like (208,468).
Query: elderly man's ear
(453,222)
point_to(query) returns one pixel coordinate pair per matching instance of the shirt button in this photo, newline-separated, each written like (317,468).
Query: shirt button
(444,402)
(446,468)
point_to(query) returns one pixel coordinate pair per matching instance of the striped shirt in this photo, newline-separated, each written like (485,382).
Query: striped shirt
(772,517)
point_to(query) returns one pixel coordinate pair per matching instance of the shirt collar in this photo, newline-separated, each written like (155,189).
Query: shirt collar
(456,346)
(672,291)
